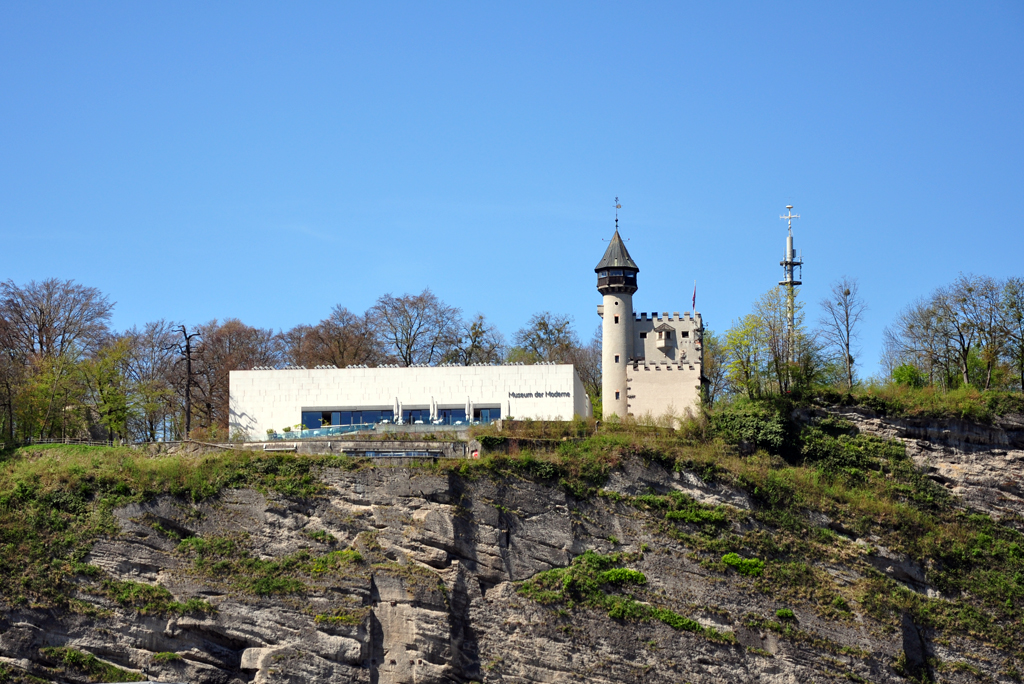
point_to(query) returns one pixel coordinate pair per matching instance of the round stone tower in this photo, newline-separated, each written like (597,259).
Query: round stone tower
(616,280)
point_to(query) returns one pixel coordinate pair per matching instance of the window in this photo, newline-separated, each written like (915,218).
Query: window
(616,358)
(685,333)
(451,416)
(414,416)
(616,395)
(643,336)
(312,420)
(617,272)
(602,274)
(616,319)
(486,415)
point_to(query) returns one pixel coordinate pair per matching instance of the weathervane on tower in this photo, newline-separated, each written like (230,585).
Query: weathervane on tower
(617,207)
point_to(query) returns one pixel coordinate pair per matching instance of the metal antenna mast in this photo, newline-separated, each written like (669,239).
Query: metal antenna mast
(789,262)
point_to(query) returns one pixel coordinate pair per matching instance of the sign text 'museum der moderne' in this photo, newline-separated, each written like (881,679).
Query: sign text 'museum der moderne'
(538,395)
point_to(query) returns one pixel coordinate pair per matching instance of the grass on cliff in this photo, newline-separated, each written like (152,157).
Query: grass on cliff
(901,401)
(602,582)
(227,560)
(867,487)
(61,659)
(56,501)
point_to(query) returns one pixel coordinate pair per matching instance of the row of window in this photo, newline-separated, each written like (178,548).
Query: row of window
(667,333)
(449,416)
(616,272)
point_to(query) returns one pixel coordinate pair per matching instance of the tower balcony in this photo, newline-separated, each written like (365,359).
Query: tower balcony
(612,280)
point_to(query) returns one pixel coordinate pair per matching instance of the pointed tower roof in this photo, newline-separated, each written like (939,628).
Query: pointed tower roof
(616,256)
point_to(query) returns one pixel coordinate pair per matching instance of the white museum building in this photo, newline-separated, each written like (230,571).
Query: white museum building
(269,400)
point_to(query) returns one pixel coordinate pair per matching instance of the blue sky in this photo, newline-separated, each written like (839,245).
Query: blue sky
(268,161)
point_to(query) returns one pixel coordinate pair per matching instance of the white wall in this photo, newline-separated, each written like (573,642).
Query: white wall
(657,389)
(273,399)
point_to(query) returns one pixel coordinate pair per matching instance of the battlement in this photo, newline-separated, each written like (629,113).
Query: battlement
(643,364)
(664,317)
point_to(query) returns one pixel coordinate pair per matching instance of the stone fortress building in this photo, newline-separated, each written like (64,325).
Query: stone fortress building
(650,366)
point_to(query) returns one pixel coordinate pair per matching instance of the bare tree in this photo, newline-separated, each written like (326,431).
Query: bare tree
(545,337)
(477,341)
(415,328)
(946,335)
(842,312)
(49,318)
(151,365)
(48,327)
(185,349)
(772,313)
(983,308)
(920,337)
(228,346)
(1012,324)
(714,367)
(344,338)
(586,359)
(12,371)
(953,306)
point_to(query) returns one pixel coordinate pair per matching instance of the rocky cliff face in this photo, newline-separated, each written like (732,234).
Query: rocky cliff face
(409,575)
(983,465)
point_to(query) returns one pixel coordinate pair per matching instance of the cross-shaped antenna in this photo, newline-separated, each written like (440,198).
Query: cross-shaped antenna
(617,207)
(789,217)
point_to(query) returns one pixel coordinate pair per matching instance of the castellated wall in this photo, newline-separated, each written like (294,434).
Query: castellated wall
(685,342)
(271,399)
(657,389)
(664,376)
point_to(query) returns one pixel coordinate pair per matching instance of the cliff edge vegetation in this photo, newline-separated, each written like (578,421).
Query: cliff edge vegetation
(762,542)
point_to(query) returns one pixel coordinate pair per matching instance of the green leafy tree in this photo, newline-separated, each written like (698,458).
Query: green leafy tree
(908,375)
(744,356)
(110,385)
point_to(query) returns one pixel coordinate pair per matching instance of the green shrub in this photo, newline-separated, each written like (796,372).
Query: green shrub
(682,508)
(758,423)
(492,442)
(322,536)
(165,657)
(839,603)
(151,598)
(676,621)
(785,614)
(699,516)
(89,665)
(584,582)
(752,567)
(335,560)
(622,576)
(908,376)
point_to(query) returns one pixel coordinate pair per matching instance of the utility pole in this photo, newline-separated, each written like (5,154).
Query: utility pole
(789,262)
